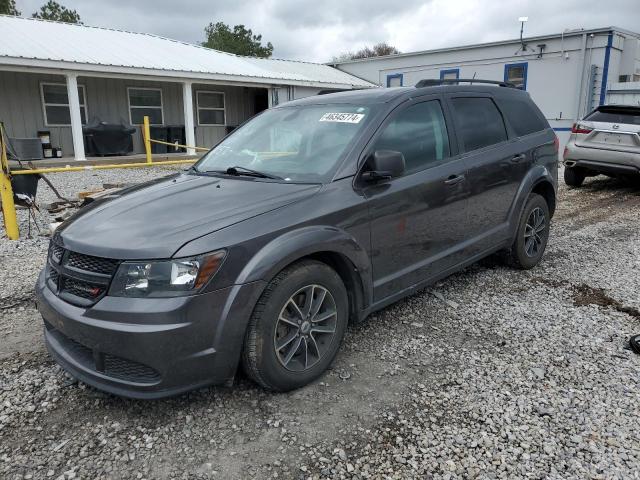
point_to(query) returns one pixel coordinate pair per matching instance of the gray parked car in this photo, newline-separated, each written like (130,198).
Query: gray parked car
(607,141)
(311,215)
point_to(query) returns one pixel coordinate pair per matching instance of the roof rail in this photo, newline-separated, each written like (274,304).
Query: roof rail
(443,81)
(327,91)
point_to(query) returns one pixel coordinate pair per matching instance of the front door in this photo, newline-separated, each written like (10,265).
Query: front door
(417,220)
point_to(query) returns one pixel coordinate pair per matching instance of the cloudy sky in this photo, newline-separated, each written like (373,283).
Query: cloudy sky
(317,30)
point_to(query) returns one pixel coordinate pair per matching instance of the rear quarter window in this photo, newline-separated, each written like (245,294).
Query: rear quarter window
(479,121)
(522,115)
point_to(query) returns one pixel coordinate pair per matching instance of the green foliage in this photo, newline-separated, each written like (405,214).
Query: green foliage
(240,40)
(54,11)
(377,50)
(8,7)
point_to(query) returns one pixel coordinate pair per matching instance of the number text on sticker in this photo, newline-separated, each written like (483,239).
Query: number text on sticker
(342,117)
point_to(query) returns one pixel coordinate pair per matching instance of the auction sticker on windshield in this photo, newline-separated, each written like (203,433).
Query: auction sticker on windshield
(342,117)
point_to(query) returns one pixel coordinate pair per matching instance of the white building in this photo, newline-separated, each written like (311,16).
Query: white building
(567,74)
(58,77)
(624,93)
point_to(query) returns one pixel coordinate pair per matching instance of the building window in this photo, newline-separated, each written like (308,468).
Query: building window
(210,106)
(394,80)
(516,73)
(450,74)
(55,104)
(145,102)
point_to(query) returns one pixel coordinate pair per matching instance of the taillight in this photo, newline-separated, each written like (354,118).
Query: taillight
(579,128)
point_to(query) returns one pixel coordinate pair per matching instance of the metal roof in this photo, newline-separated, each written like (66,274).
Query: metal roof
(28,42)
(566,33)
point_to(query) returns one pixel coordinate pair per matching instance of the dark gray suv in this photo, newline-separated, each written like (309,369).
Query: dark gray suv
(311,215)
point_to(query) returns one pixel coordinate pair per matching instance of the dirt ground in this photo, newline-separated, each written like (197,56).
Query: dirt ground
(491,373)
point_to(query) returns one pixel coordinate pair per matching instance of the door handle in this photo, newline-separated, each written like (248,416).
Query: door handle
(518,158)
(454,179)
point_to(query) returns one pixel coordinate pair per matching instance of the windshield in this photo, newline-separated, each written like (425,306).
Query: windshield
(615,115)
(294,144)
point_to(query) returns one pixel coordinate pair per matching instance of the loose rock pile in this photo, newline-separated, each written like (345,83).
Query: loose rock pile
(491,373)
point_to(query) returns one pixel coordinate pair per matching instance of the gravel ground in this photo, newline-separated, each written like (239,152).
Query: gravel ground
(491,373)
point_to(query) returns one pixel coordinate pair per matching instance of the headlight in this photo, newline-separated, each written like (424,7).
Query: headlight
(165,278)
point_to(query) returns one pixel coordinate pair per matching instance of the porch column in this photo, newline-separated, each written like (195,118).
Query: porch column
(76,119)
(273,99)
(189,127)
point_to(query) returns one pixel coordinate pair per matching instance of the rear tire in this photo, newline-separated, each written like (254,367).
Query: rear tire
(296,328)
(574,177)
(532,235)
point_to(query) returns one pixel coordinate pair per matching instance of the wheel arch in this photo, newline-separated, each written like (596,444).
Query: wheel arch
(544,188)
(329,245)
(349,276)
(539,180)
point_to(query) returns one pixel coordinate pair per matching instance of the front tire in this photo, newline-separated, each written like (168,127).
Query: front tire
(532,235)
(296,328)
(574,177)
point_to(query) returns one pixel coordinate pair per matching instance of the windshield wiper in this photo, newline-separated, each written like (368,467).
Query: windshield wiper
(237,170)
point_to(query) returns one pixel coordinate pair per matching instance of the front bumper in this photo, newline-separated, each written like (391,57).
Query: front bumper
(602,160)
(149,348)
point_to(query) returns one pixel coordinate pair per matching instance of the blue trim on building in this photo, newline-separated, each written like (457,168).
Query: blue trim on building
(605,69)
(508,66)
(561,129)
(449,70)
(395,75)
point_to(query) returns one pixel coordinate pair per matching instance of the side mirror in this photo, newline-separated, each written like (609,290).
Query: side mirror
(384,165)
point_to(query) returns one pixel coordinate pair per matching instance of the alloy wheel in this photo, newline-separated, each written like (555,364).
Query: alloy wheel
(306,328)
(534,232)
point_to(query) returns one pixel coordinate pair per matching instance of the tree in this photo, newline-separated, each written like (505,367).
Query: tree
(378,50)
(8,7)
(240,41)
(54,11)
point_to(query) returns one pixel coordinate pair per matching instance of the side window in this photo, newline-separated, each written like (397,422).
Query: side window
(420,133)
(522,116)
(480,122)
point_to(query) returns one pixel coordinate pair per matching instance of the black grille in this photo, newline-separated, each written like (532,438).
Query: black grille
(105,266)
(82,354)
(105,363)
(53,277)
(82,289)
(77,278)
(56,251)
(128,370)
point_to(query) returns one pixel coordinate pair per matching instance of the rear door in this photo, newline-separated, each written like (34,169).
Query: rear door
(417,220)
(614,128)
(496,167)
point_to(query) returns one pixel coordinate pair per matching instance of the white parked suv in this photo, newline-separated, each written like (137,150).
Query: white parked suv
(607,141)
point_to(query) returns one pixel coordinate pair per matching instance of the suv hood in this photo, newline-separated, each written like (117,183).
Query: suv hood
(155,219)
